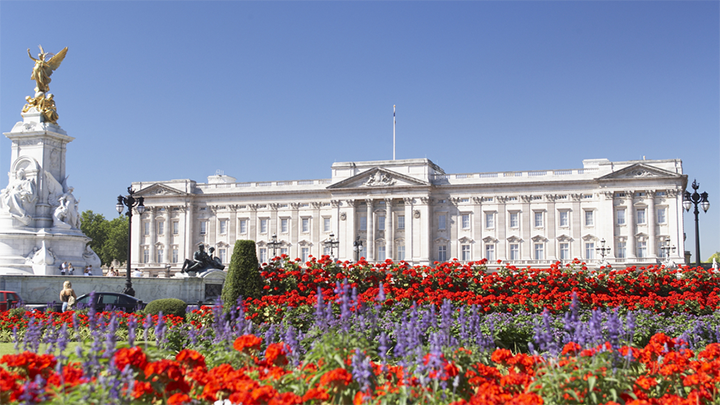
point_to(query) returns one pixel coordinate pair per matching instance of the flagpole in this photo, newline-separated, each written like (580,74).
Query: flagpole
(393,132)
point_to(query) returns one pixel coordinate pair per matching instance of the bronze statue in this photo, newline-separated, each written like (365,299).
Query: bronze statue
(44,67)
(201,260)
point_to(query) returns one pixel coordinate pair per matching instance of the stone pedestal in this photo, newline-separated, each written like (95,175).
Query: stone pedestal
(39,225)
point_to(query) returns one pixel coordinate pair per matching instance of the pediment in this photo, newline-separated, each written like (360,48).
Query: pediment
(639,171)
(159,190)
(379,178)
(514,239)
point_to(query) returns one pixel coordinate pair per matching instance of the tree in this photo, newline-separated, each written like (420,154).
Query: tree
(716,256)
(116,243)
(94,226)
(243,278)
(109,238)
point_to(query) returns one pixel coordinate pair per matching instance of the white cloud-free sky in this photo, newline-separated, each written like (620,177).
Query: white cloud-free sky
(281,90)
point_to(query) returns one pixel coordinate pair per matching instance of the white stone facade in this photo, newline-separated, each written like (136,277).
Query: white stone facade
(412,210)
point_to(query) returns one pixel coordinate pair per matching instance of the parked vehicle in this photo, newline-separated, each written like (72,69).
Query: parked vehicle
(9,299)
(107,301)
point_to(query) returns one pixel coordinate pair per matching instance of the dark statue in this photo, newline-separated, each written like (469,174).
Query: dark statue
(202,261)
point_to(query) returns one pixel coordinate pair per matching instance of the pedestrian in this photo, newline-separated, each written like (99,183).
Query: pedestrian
(71,269)
(67,296)
(137,273)
(112,272)
(63,268)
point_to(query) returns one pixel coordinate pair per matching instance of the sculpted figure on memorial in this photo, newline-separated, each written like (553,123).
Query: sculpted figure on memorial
(200,260)
(72,217)
(47,108)
(19,197)
(45,64)
(60,215)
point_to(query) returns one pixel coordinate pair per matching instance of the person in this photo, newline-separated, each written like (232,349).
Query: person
(137,273)
(71,270)
(63,268)
(89,270)
(112,272)
(65,295)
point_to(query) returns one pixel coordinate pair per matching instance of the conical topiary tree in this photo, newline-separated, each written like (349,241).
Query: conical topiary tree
(243,278)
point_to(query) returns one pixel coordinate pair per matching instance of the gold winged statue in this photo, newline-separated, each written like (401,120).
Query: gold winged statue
(45,64)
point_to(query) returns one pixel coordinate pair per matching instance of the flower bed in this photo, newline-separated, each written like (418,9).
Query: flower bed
(391,334)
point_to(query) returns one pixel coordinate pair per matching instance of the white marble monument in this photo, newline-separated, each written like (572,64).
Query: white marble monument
(39,215)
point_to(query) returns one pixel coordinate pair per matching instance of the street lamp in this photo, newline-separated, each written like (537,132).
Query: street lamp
(666,249)
(331,243)
(357,247)
(130,202)
(602,250)
(696,199)
(274,245)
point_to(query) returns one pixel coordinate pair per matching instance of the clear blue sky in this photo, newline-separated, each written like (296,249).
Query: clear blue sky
(279,90)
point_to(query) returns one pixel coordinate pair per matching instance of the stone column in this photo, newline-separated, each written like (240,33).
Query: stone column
(294,230)
(651,216)
(211,237)
(527,227)
(316,234)
(253,233)
(477,227)
(389,230)
(501,225)
(551,228)
(425,236)
(577,250)
(189,230)
(232,231)
(409,235)
(675,211)
(273,225)
(606,225)
(168,232)
(153,236)
(370,246)
(630,246)
(350,219)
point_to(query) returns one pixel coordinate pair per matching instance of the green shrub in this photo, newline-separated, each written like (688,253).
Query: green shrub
(172,306)
(243,278)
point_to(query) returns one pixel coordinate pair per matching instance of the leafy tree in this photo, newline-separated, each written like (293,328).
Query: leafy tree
(94,226)
(716,256)
(109,238)
(116,243)
(243,278)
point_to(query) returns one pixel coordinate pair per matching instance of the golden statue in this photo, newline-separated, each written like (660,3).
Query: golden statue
(45,64)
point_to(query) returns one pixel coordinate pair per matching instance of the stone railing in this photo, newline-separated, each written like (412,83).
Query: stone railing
(533,173)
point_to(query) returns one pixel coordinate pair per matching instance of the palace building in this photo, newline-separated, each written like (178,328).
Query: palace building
(412,210)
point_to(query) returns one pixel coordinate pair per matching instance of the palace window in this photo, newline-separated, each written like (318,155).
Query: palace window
(222,254)
(661,215)
(514,219)
(642,249)
(466,221)
(401,222)
(564,251)
(401,252)
(203,227)
(489,220)
(146,255)
(465,252)
(539,251)
(442,222)
(490,252)
(326,224)
(175,254)
(263,255)
(442,253)
(538,219)
(243,225)
(590,250)
(284,225)
(514,251)
(159,255)
(641,216)
(589,218)
(304,254)
(146,228)
(306,225)
(564,218)
(161,228)
(621,216)
(621,248)
(381,253)
(175,227)
(263,225)
(363,223)
(223,226)
(381,222)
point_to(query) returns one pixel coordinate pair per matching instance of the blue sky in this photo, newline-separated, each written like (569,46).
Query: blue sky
(281,90)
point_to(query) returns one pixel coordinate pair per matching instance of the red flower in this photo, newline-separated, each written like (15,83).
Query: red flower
(336,378)
(178,399)
(247,343)
(133,356)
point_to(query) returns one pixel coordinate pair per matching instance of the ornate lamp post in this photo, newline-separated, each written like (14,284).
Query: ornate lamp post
(332,244)
(602,250)
(696,199)
(357,247)
(130,202)
(274,244)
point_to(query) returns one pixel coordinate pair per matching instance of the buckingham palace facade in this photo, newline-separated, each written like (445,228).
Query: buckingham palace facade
(412,210)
